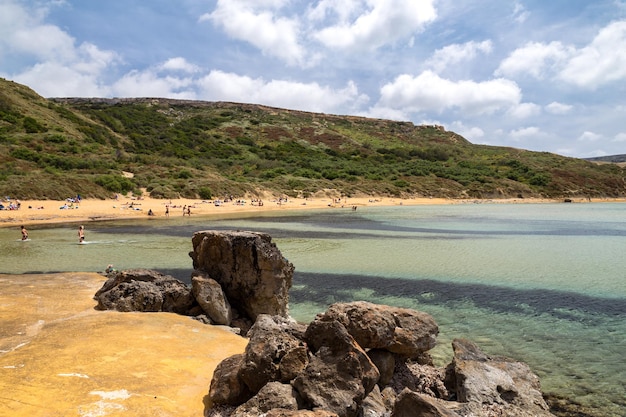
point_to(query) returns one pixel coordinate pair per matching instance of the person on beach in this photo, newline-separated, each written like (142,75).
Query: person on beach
(167,211)
(184,210)
(81,234)
(24,233)
(189,211)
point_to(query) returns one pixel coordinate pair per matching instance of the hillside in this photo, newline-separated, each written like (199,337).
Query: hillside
(55,148)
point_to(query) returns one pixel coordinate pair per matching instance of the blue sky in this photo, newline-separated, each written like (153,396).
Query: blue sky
(532,74)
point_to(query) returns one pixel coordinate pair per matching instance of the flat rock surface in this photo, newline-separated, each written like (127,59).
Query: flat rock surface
(61,357)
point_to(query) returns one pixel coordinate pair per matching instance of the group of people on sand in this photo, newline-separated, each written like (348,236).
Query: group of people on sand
(81,233)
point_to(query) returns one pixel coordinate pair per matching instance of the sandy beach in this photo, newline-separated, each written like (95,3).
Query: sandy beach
(88,210)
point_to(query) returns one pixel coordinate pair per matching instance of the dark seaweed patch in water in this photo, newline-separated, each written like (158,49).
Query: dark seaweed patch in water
(325,289)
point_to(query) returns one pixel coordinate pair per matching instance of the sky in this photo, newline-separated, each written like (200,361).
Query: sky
(531,74)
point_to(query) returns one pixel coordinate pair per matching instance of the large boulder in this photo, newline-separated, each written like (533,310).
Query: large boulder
(227,387)
(254,275)
(144,290)
(410,404)
(339,375)
(274,395)
(399,330)
(275,352)
(485,382)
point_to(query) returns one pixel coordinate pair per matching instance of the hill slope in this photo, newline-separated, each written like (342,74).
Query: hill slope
(55,148)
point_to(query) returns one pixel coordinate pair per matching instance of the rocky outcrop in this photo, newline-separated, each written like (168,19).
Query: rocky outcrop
(238,276)
(254,275)
(144,290)
(386,375)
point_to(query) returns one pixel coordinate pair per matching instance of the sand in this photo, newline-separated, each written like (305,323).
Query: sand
(89,210)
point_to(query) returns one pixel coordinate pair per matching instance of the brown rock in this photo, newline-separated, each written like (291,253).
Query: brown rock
(226,385)
(399,330)
(271,396)
(211,298)
(254,275)
(412,404)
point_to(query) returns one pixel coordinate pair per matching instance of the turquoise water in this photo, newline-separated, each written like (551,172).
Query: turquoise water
(545,284)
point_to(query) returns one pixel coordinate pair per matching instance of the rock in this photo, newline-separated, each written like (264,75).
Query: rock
(424,379)
(210,296)
(254,275)
(144,290)
(385,362)
(271,396)
(399,330)
(411,404)
(273,345)
(373,405)
(340,374)
(227,388)
(299,413)
(485,382)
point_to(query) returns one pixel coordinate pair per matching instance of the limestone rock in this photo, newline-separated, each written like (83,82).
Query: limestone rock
(483,381)
(374,405)
(254,275)
(210,296)
(340,374)
(271,396)
(399,330)
(385,362)
(272,345)
(227,388)
(410,404)
(144,290)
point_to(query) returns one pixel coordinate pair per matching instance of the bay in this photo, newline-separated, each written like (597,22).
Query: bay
(541,283)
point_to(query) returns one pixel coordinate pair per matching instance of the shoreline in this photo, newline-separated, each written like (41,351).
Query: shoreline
(38,212)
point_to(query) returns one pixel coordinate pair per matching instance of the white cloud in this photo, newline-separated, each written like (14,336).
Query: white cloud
(534,58)
(558,108)
(369,24)
(588,136)
(520,14)
(602,61)
(457,53)
(429,92)
(524,110)
(258,23)
(179,64)
(219,85)
(149,84)
(526,133)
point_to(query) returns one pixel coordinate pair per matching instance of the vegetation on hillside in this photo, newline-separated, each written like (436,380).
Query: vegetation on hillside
(55,148)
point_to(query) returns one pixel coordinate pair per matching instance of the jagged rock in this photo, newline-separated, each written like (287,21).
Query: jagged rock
(273,344)
(374,405)
(385,362)
(424,379)
(271,396)
(210,296)
(227,388)
(486,382)
(254,275)
(399,330)
(339,375)
(144,290)
(410,404)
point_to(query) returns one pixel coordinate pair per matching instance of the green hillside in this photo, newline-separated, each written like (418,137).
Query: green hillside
(55,148)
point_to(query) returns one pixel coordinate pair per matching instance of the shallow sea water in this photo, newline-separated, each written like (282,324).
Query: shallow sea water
(545,284)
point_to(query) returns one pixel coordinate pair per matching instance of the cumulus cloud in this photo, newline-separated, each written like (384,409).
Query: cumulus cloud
(535,59)
(368,24)
(620,137)
(260,24)
(558,108)
(601,62)
(471,133)
(524,110)
(526,133)
(179,64)
(457,53)
(149,83)
(219,85)
(588,136)
(61,66)
(429,92)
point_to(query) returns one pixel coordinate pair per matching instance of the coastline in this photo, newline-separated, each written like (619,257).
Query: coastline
(37,212)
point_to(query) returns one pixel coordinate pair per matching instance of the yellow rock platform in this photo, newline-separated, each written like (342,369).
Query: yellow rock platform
(60,357)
